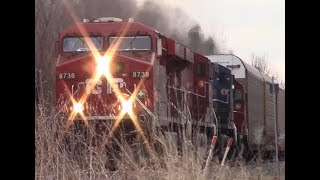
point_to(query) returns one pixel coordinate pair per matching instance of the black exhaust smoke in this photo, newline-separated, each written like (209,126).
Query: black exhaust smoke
(168,20)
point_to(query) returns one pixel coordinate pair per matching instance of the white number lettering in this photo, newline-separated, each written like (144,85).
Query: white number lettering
(67,75)
(140,74)
(118,81)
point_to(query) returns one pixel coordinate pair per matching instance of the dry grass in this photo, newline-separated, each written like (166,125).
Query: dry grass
(82,158)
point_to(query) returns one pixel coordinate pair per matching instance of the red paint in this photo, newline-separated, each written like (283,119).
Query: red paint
(230,142)
(200,103)
(214,140)
(239,113)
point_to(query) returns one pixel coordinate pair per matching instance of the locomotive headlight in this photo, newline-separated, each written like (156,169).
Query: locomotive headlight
(126,106)
(78,108)
(142,93)
(103,65)
(201,83)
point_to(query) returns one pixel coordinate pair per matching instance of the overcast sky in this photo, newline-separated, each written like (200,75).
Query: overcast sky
(243,26)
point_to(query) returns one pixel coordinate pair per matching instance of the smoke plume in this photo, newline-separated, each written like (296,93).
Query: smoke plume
(170,21)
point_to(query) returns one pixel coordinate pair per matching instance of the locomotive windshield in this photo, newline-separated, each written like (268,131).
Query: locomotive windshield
(130,43)
(73,44)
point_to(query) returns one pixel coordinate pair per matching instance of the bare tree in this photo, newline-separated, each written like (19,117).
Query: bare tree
(50,17)
(261,63)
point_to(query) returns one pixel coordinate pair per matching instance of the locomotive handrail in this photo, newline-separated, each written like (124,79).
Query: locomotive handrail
(240,113)
(60,110)
(142,105)
(215,129)
(180,112)
(235,133)
(216,126)
(68,100)
(189,92)
(223,101)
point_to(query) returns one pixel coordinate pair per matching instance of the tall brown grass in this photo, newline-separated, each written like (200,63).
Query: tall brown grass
(63,154)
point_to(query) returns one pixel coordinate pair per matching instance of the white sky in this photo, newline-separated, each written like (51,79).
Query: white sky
(243,26)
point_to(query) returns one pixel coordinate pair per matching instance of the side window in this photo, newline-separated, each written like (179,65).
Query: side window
(211,72)
(224,78)
(237,95)
(131,43)
(201,69)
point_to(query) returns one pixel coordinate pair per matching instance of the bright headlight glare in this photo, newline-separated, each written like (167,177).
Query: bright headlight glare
(126,106)
(77,107)
(103,64)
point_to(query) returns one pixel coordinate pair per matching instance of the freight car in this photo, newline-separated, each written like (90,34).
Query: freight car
(260,106)
(280,116)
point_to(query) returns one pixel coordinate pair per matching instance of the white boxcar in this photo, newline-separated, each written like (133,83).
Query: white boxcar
(281,120)
(270,114)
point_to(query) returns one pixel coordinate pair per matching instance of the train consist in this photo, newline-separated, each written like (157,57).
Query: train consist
(151,76)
